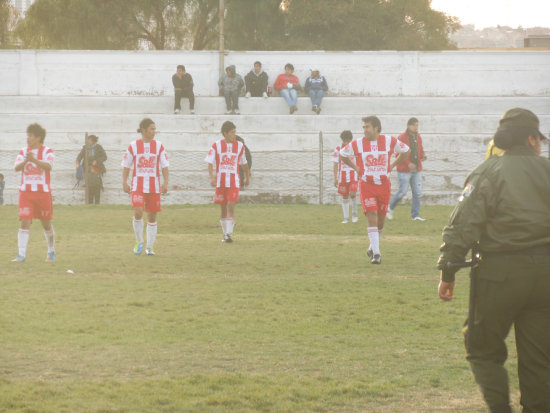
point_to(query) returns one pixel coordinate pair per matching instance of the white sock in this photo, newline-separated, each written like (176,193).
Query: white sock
(22,241)
(50,239)
(374,239)
(345,207)
(354,207)
(138,229)
(223,222)
(230,222)
(151,234)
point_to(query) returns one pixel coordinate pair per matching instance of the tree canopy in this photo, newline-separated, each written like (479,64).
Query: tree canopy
(249,25)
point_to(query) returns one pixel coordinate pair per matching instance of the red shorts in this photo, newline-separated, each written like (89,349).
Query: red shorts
(35,205)
(344,188)
(375,197)
(225,195)
(151,202)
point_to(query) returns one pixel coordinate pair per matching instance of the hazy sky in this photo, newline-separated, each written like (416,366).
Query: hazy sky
(489,13)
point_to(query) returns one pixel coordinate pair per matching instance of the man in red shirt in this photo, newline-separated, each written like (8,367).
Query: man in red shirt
(410,171)
(35,197)
(227,154)
(148,159)
(372,154)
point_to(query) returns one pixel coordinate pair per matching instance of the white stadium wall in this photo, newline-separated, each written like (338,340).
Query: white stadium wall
(458,97)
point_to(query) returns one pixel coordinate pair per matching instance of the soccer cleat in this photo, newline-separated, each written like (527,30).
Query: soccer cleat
(149,251)
(369,253)
(345,221)
(138,248)
(389,214)
(227,238)
(419,219)
(354,219)
(50,257)
(18,258)
(176,111)
(376,259)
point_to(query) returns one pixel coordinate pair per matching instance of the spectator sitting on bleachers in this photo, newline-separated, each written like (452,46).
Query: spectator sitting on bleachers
(183,88)
(256,82)
(288,85)
(316,86)
(232,84)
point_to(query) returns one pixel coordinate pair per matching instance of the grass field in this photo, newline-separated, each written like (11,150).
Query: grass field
(291,317)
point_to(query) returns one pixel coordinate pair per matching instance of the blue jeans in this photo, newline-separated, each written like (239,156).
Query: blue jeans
(316,96)
(414,179)
(290,95)
(231,99)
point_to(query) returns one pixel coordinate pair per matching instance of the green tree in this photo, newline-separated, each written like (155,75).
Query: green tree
(107,24)
(338,25)
(8,20)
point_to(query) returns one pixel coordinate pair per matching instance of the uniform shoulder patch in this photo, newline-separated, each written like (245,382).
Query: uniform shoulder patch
(466,192)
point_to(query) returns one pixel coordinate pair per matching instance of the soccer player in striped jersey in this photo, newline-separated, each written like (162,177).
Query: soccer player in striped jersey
(372,154)
(227,154)
(345,179)
(147,157)
(35,197)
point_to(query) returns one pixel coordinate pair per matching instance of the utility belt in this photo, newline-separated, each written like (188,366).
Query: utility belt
(538,250)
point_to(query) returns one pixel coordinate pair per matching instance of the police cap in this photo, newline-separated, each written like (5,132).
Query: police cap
(514,122)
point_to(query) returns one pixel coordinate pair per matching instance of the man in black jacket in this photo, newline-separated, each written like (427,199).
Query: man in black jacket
(256,82)
(92,163)
(183,88)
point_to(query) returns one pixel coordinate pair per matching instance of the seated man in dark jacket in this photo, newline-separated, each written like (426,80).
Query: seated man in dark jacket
(183,88)
(256,82)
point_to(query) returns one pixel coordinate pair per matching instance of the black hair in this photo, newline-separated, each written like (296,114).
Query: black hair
(257,62)
(374,121)
(144,124)
(228,126)
(93,137)
(181,67)
(412,121)
(37,130)
(346,135)
(289,65)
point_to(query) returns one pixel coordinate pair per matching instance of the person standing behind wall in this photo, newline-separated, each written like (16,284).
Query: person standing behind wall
(94,169)
(410,171)
(183,88)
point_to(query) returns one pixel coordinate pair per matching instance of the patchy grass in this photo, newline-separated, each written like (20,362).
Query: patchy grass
(290,317)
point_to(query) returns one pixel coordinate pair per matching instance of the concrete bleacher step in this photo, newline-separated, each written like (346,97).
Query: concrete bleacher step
(332,105)
(107,123)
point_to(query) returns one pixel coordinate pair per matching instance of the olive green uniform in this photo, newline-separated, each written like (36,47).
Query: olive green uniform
(506,208)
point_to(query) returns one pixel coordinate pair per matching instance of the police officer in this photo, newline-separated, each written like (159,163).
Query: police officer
(504,213)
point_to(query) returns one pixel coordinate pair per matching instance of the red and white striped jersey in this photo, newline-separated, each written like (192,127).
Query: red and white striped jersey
(34,178)
(345,173)
(373,157)
(228,157)
(147,160)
